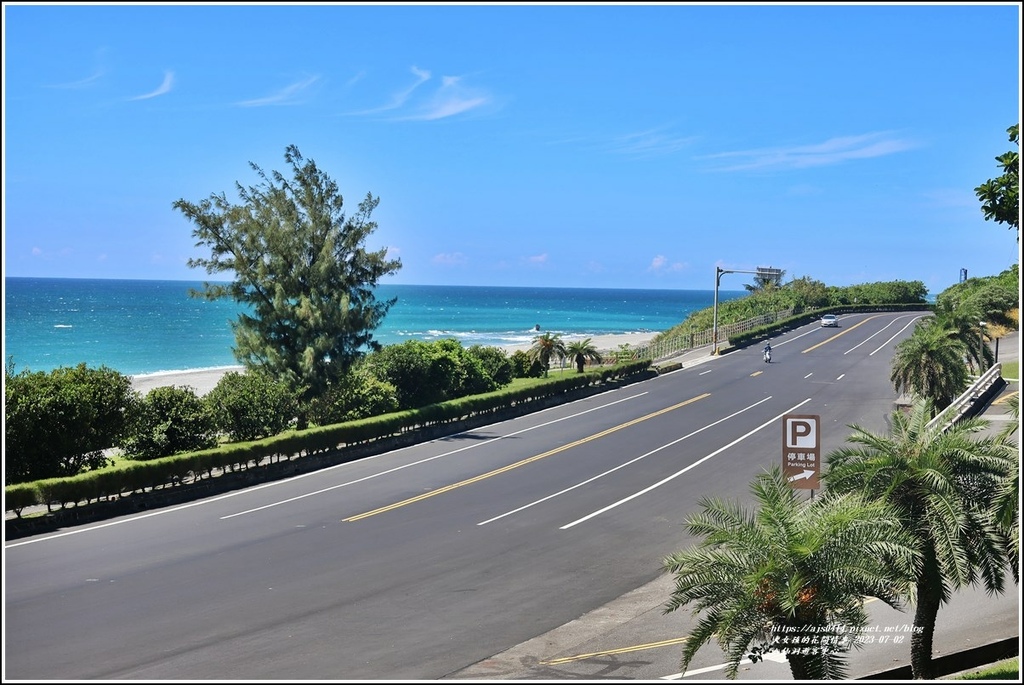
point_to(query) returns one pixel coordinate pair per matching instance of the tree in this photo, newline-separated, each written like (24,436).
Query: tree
(1000,197)
(766,280)
(300,266)
(930,364)
(579,352)
(795,568)
(963,324)
(250,405)
(1007,500)
(546,346)
(60,423)
(942,485)
(169,420)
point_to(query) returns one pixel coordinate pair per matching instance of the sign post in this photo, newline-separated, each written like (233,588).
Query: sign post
(801,450)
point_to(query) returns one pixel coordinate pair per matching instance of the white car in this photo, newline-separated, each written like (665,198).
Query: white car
(830,320)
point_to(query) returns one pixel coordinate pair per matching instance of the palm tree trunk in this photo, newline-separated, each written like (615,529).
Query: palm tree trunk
(929,597)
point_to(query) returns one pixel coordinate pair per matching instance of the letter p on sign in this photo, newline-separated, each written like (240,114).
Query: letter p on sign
(801,432)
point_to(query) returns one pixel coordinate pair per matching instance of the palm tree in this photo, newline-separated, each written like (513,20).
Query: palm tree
(1007,500)
(929,364)
(964,323)
(580,352)
(545,347)
(767,280)
(796,568)
(943,485)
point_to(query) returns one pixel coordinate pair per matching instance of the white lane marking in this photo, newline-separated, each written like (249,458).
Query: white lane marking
(893,336)
(679,473)
(620,466)
(809,375)
(210,500)
(424,461)
(840,377)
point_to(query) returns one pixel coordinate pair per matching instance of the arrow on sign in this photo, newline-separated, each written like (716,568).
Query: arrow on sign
(801,476)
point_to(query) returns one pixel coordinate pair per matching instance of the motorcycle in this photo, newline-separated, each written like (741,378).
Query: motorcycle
(767,356)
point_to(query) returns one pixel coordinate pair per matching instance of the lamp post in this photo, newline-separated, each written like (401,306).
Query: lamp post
(981,345)
(763,272)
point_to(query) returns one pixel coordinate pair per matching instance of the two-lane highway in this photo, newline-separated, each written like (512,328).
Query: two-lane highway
(417,563)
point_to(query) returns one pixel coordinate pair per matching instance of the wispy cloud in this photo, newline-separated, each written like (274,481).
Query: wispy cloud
(832,151)
(450,98)
(164,88)
(450,259)
(651,143)
(289,95)
(98,73)
(537,260)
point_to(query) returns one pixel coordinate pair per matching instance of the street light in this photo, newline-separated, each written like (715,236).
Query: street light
(981,345)
(762,272)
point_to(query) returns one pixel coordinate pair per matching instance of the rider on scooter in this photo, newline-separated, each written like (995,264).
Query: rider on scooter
(768,352)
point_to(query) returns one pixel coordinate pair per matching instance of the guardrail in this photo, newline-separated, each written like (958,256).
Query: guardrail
(963,404)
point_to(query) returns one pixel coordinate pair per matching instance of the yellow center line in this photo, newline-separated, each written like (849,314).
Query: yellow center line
(1005,397)
(622,650)
(844,332)
(475,479)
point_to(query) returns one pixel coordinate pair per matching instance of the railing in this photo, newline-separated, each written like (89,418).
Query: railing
(966,401)
(688,341)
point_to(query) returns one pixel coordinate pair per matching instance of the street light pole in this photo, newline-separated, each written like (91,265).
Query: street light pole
(763,272)
(714,328)
(981,346)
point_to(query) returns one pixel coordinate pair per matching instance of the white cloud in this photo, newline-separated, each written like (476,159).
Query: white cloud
(832,151)
(650,143)
(288,95)
(538,260)
(661,264)
(164,88)
(450,259)
(451,97)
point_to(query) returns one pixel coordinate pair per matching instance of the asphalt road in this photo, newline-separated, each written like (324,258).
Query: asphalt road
(433,561)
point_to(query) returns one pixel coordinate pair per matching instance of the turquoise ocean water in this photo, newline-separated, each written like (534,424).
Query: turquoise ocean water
(140,327)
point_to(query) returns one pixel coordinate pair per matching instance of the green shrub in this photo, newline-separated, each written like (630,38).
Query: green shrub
(169,420)
(250,405)
(58,424)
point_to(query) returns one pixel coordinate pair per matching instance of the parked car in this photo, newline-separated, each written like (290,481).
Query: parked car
(830,320)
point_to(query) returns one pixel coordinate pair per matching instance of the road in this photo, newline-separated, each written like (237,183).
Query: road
(429,561)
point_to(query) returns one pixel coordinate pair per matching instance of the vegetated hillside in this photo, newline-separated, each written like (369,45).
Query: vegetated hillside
(995,298)
(803,293)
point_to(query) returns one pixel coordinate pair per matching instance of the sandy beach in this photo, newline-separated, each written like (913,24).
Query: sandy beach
(205,380)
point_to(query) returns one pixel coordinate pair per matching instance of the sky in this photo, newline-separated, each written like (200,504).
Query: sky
(564,145)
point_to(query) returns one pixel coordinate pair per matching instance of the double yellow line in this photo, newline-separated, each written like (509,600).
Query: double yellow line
(524,462)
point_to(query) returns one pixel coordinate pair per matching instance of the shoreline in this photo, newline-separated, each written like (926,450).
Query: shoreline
(205,380)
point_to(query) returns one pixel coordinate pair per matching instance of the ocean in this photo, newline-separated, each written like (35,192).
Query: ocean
(141,326)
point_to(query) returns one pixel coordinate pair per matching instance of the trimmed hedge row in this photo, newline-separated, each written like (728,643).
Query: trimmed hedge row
(169,472)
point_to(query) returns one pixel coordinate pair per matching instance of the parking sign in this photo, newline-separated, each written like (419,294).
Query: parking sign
(801,450)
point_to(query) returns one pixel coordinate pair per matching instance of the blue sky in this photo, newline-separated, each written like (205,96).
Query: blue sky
(632,146)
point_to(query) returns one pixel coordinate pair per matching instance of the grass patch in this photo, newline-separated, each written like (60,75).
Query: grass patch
(1011,370)
(1004,670)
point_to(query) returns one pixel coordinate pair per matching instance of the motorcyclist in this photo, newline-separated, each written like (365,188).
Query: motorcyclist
(767,352)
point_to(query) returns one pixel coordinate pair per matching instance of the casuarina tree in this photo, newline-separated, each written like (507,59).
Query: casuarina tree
(300,266)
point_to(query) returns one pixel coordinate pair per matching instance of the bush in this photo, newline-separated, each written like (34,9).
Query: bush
(250,405)
(495,363)
(525,366)
(58,424)
(358,395)
(424,373)
(168,420)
